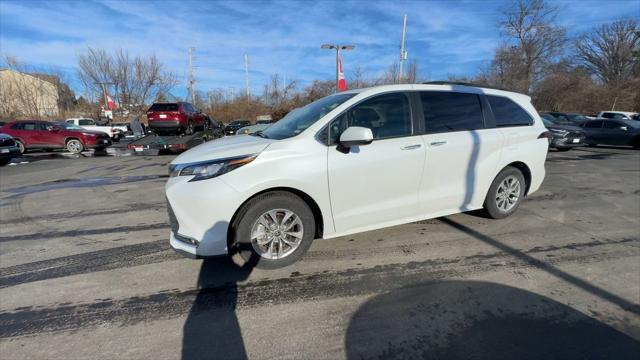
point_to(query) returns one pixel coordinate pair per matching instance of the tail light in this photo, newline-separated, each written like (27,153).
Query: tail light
(547,134)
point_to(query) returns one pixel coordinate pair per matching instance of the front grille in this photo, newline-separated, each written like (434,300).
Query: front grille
(575,134)
(173,222)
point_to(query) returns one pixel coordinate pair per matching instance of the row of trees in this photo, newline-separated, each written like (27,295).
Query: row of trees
(597,70)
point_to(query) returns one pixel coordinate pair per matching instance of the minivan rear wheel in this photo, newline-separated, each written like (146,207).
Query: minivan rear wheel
(273,230)
(505,194)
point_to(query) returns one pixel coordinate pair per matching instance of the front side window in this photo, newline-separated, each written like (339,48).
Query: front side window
(508,113)
(451,111)
(388,116)
(300,119)
(612,124)
(42,126)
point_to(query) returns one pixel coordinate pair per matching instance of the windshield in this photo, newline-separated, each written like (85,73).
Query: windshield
(547,122)
(69,126)
(300,119)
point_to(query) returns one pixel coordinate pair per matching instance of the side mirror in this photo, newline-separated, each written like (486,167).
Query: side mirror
(624,128)
(356,135)
(53,128)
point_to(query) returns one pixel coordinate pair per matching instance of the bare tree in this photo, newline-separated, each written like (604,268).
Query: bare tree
(136,80)
(534,38)
(610,51)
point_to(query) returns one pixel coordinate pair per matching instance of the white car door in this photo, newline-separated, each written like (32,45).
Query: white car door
(461,156)
(377,183)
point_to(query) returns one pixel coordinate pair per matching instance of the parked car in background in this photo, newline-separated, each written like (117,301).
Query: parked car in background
(9,149)
(565,137)
(623,115)
(569,118)
(356,161)
(265,121)
(37,134)
(214,129)
(612,132)
(252,129)
(175,117)
(235,125)
(115,132)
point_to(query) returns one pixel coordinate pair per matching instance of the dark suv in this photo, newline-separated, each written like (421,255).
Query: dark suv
(36,134)
(175,117)
(235,125)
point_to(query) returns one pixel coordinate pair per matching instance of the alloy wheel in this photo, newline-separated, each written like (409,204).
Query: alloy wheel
(277,233)
(508,193)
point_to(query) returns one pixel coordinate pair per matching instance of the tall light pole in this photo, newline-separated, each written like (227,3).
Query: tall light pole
(338,48)
(403,52)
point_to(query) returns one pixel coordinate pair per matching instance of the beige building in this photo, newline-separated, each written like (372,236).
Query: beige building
(27,95)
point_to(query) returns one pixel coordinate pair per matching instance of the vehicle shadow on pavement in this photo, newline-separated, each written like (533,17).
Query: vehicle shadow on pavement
(478,320)
(550,269)
(212,330)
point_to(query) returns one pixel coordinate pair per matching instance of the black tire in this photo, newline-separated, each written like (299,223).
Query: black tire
(592,145)
(563,149)
(636,143)
(5,161)
(189,129)
(253,210)
(21,146)
(490,203)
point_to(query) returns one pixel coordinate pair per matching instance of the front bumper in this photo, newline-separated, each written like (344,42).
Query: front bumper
(99,142)
(567,141)
(9,152)
(200,213)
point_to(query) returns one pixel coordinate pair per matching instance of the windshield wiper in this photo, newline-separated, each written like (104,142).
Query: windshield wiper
(261,134)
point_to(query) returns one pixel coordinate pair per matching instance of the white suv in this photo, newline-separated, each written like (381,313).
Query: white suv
(356,161)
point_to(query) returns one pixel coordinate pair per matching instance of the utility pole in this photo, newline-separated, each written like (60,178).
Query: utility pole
(338,48)
(403,52)
(192,80)
(246,75)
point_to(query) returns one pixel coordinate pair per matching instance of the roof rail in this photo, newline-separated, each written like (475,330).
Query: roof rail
(462,83)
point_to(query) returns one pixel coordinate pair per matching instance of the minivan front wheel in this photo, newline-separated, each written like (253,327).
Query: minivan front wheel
(273,230)
(505,194)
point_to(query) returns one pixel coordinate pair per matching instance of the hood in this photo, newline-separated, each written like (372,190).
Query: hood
(565,127)
(222,148)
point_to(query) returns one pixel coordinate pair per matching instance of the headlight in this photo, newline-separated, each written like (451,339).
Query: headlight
(209,169)
(559,132)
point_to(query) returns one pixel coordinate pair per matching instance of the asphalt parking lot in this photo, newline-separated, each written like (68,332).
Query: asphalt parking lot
(86,271)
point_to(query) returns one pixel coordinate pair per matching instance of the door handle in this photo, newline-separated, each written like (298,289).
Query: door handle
(438,143)
(411,147)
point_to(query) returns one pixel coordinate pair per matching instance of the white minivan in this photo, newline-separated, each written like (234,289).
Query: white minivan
(355,161)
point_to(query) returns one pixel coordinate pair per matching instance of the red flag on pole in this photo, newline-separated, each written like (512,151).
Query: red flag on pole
(342,83)
(110,103)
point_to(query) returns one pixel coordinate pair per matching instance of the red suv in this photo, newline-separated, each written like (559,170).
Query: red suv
(36,134)
(180,117)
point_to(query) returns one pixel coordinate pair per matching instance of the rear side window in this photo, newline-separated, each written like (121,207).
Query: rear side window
(508,113)
(164,107)
(593,124)
(17,126)
(451,111)
(86,122)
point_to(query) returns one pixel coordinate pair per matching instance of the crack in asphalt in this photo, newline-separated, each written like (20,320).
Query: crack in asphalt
(298,287)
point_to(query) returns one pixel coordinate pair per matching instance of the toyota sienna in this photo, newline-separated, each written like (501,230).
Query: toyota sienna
(356,161)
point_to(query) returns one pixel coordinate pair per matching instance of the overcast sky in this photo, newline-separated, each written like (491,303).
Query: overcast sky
(445,37)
